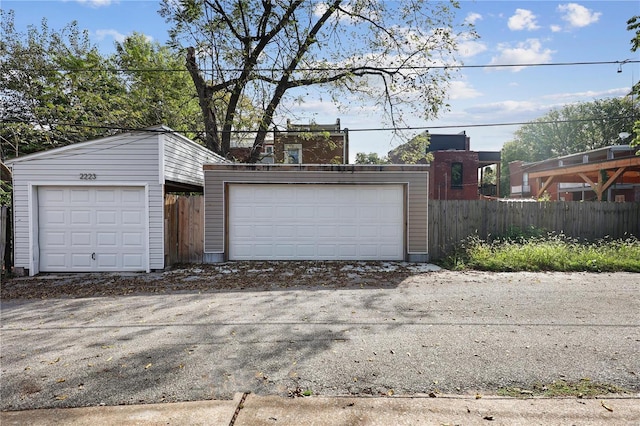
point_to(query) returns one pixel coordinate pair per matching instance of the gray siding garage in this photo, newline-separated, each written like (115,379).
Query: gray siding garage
(98,206)
(315,212)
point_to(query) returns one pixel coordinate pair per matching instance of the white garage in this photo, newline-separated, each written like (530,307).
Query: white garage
(315,212)
(98,206)
(92,228)
(302,222)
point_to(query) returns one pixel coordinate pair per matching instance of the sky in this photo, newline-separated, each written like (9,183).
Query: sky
(483,100)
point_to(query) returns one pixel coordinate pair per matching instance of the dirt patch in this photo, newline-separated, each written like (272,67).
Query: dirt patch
(231,276)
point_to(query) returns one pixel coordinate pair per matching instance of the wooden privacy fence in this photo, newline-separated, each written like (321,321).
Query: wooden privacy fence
(183,229)
(451,221)
(5,240)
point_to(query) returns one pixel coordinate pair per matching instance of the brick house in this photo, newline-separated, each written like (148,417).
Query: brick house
(311,144)
(454,168)
(300,144)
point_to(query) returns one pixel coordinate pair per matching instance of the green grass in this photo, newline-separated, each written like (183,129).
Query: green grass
(551,252)
(584,388)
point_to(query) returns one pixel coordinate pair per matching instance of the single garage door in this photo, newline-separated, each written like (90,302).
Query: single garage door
(86,229)
(309,221)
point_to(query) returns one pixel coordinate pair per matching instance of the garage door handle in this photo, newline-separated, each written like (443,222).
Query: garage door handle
(93,256)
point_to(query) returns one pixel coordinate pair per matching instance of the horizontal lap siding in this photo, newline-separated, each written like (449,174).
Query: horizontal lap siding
(126,159)
(416,182)
(183,160)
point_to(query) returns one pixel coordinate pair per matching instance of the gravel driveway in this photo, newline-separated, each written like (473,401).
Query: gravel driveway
(291,328)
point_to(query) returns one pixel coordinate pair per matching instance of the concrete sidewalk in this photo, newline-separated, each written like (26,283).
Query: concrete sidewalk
(272,410)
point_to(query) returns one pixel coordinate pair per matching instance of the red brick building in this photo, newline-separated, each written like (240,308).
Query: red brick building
(455,168)
(300,144)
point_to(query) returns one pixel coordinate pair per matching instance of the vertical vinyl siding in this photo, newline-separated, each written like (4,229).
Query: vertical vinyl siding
(415,181)
(126,159)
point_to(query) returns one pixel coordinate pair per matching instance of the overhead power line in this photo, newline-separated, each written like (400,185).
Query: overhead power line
(338,69)
(350,130)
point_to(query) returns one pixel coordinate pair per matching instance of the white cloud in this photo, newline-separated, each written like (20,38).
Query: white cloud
(577,15)
(473,17)
(462,90)
(556,28)
(526,52)
(117,36)
(588,95)
(468,48)
(96,3)
(523,20)
(505,107)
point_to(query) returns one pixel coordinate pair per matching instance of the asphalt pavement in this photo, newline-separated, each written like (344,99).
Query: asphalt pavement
(445,334)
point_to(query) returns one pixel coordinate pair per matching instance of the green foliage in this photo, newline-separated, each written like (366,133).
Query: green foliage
(57,88)
(5,193)
(550,252)
(157,97)
(370,158)
(412,152)
(364,52)
(633,25)
(570,130)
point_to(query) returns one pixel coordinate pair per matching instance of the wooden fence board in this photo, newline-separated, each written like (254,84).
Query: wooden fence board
(450,222)
(184,229)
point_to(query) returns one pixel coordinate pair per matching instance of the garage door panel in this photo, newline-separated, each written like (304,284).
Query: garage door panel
(81,261)
(81,239)
(330,222)
(132,240)
(92,229)
(133,261)
(132,217)
(106,217)
(54,217)
(107,239)
(58,260)
(107,196)
(79,195)
(284,212)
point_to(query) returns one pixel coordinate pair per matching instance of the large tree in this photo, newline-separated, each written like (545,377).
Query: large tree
(360,51)
(55,88)
(633,25)
(569,130)
(158,92)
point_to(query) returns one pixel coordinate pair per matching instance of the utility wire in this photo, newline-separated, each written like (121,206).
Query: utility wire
(350,130)
(339,69)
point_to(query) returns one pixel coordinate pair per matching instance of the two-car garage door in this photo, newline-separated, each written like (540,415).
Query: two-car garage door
(84,229)
(313,221)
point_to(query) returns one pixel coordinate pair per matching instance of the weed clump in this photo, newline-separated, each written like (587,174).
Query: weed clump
(533,250)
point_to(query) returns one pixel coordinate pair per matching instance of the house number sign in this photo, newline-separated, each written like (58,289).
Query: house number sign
(88,176)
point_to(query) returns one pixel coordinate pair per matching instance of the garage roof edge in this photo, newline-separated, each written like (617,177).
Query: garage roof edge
(319,167)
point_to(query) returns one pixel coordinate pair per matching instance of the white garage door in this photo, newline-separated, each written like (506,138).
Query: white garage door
(323,222)
(85,229)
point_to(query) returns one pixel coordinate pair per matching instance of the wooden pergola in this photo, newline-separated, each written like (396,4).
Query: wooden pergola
(599,176)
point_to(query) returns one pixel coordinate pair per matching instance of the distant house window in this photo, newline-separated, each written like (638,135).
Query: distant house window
(268,149)
(293,154)
(525,179)
(456,175)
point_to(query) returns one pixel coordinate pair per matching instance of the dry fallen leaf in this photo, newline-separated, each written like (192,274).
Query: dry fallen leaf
(61,380)
(606,407)
(146,367)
